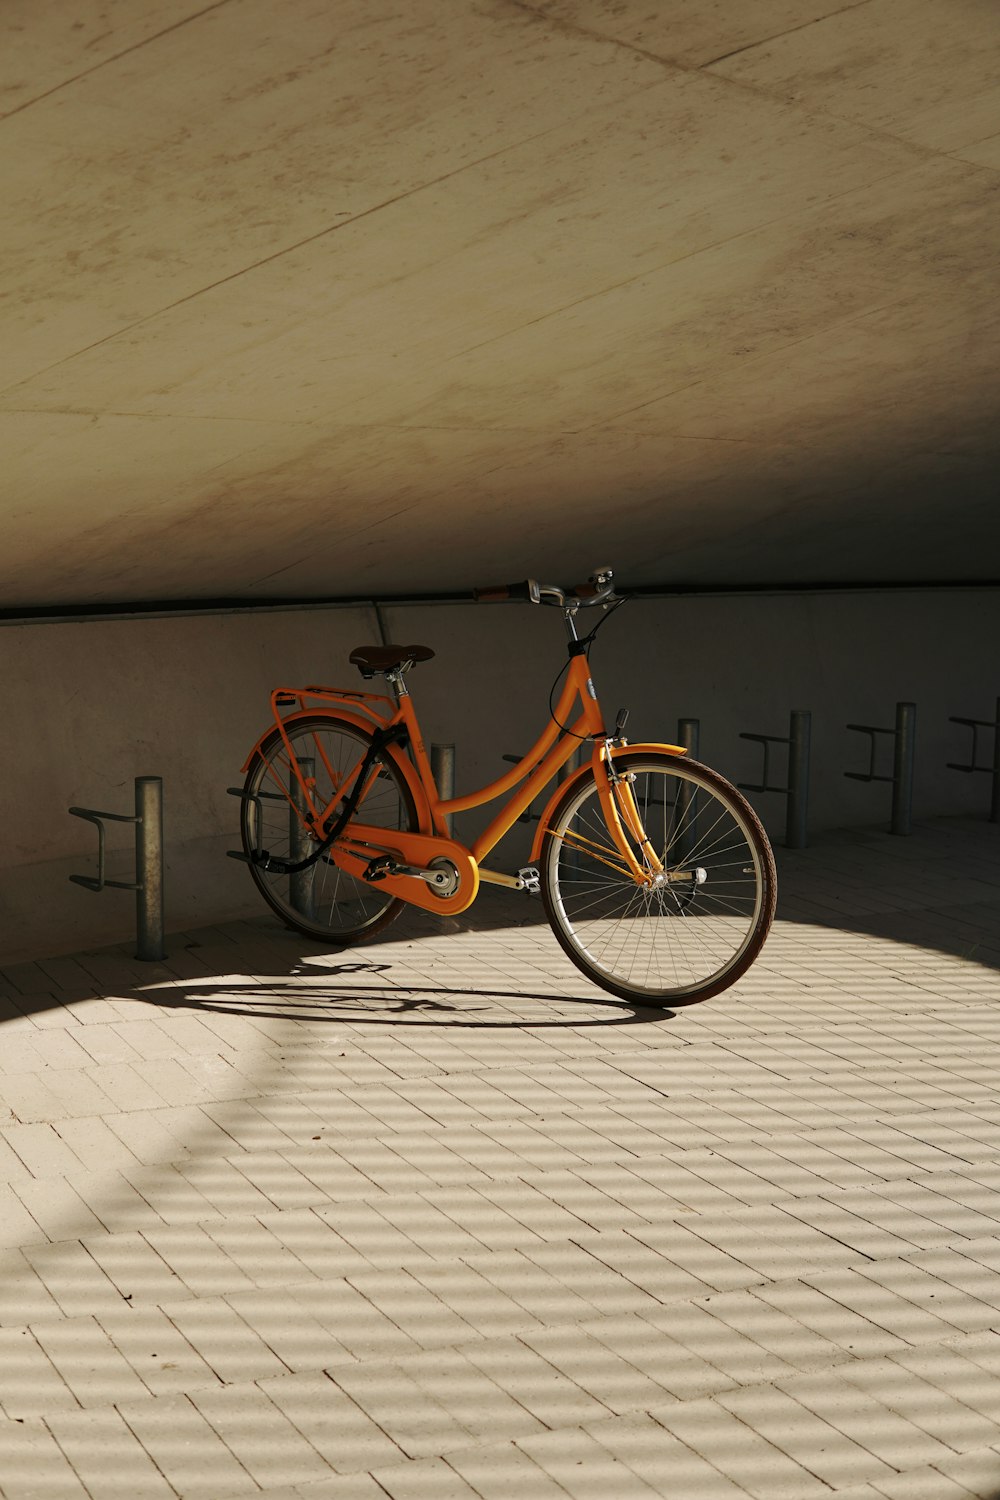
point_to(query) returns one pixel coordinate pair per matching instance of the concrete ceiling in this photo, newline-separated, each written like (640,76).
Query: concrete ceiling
(341,297)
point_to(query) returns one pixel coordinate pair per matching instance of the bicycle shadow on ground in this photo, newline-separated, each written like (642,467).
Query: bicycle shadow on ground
(352,992)
(938,892)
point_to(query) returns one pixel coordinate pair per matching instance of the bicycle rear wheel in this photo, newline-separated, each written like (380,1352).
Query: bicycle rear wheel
(699,930)
(322,901)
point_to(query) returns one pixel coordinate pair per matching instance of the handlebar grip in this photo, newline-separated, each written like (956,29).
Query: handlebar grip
(495,593)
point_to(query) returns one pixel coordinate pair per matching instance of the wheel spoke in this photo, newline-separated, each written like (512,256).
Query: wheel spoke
(324,900)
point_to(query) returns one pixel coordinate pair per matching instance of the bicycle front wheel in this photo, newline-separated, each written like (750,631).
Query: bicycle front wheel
(321,901)
(697,929)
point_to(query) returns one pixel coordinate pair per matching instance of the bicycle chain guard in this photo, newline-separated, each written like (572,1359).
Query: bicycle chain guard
(401,862)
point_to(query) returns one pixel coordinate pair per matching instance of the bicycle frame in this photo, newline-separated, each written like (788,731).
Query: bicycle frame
(551,751)
(655,876)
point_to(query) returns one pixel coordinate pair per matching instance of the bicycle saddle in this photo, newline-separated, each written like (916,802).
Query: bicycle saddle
(372,659)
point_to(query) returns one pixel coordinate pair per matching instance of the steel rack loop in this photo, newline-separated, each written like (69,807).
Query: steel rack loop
(148,883)
(796,788)
(904,737)
(994,770)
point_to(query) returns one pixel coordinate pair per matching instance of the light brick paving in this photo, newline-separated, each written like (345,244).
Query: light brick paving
(433,1218)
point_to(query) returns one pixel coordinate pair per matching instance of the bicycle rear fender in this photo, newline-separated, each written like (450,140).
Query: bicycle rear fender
(365,726)
(578,777)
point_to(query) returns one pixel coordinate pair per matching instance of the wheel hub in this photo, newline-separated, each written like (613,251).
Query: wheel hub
(696,875)
(447,879)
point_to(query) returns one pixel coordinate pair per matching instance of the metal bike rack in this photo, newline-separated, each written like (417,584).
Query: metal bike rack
(975,725)
(904,742)
(797,788)
(148,883)
(443,771)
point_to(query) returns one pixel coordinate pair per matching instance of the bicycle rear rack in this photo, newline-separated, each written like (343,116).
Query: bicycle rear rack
(148,882)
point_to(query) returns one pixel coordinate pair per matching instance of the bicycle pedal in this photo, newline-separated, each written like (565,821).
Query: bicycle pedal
(530,880)
(379,868)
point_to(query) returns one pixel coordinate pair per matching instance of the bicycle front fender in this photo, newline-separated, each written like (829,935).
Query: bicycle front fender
(365,726)
(578,777)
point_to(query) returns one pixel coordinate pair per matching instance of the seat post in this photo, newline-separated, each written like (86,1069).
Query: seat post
(395,681)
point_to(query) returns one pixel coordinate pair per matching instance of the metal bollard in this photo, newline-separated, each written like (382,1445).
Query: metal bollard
(149,867)
(443,771)
(571,855)
(902,768)
(686,806)
(799,742)
(904,745)
(300,884)
(572,765)
(797,789)
(688,732)
(148,882)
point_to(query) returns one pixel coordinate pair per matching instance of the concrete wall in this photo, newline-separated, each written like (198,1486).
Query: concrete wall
(92,705)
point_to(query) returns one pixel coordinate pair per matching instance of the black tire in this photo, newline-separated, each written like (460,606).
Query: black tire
(687,939)
(322,902)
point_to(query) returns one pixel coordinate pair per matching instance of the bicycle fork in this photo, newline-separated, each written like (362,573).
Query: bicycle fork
(623,818)
(625,822)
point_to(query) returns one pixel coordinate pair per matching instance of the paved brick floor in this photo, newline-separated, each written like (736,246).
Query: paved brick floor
(435,1220)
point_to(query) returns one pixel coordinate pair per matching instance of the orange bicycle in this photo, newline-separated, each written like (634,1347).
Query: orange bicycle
(655,874)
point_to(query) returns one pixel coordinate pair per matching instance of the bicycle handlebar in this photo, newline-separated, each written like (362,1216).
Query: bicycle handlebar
(495,593)
(599,589)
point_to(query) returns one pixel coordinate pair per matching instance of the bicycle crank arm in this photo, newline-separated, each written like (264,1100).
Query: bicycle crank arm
(410,866)
(444,880)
